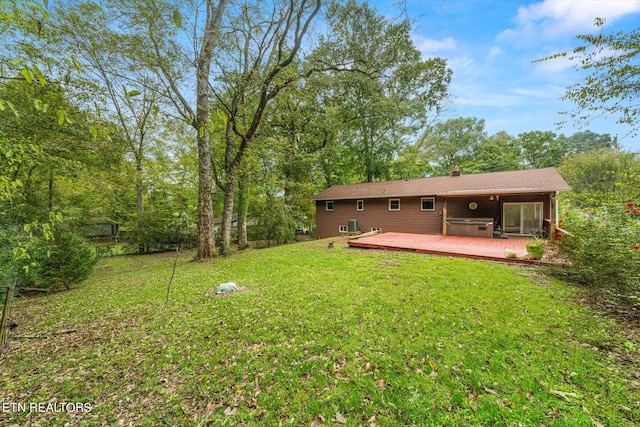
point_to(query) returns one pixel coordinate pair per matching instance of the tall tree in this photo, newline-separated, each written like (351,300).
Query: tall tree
(540,149)
(382,89)
(130,98)
(450,143)
(258,52)
(498,152)
(177,42)
(582,142)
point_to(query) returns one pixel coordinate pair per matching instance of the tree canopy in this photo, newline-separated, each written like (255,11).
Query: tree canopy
(612,85)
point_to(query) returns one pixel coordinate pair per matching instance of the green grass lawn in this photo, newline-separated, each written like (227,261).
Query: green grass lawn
(320,337)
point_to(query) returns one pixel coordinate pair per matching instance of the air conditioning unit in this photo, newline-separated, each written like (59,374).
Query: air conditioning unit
(353,226)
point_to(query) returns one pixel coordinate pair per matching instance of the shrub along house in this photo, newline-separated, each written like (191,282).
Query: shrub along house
(497,204)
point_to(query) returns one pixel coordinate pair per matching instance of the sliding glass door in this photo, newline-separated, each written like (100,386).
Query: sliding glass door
(522,218)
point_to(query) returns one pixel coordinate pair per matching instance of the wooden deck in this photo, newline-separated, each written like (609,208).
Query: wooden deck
(466,247)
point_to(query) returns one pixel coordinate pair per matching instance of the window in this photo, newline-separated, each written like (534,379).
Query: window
(342,229)
(522,218)
(360,205)
(428,204)
(330,205)
(394,204)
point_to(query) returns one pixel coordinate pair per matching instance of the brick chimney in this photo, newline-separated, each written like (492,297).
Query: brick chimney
(455,171)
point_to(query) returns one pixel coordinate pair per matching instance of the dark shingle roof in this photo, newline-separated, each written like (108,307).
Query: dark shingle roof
(521,181)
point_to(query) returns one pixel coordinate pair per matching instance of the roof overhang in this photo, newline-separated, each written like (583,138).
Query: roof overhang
(499,191)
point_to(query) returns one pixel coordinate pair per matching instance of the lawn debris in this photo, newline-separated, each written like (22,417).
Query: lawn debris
(564,395)
(49,335)
(340,419)
(228,288)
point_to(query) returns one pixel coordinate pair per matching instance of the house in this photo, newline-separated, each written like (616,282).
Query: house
(101,228)
(497,204)
(217,222)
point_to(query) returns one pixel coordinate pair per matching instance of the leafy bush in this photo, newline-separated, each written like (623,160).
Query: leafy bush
(602,253)
(275,224)
(159,233)
(59,263)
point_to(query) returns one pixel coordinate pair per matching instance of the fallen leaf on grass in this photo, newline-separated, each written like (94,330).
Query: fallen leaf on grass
(471,393)
(490,391)
(434,370)
(553,414)
(340,419)
(564,395)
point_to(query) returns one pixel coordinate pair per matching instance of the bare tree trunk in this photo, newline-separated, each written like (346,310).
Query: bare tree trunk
(51,188)
(139,188)
(294,26)
(227,213)
(206,236)
(243,208)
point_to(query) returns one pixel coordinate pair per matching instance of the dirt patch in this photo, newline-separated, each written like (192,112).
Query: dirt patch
(393,262)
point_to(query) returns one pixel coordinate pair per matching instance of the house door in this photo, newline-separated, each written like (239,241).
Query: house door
(522,218)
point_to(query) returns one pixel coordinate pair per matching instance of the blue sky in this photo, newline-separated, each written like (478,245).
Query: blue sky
(490,45)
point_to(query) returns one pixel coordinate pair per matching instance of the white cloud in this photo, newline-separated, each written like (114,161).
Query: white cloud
(494,52)
(462,65)
(466,96)
(430,46)
(552,18)
(547,92)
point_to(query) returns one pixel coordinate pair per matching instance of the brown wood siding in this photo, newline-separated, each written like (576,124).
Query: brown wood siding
(458,207)
(410,218)
(376,214)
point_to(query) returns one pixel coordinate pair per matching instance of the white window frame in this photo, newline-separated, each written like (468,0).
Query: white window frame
(394,200)
(343,229)
(433,201)
(359,205)
(332,203)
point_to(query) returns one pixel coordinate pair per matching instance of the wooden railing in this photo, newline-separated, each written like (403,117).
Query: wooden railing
(560,233)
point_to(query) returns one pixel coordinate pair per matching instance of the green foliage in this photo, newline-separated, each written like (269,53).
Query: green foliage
(540,149)
(450,143)
(64,261)
(160,231)
(498,152)
(602,176)
(611,88)
(275,223)
(380,89)
(53,263)
(601,253)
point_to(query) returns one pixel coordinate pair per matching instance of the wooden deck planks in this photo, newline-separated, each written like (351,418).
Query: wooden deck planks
(468,247)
